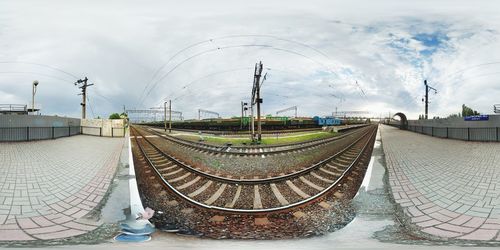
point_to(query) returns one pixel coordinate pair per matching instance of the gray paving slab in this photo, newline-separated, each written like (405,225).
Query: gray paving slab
(453,184)
(47,187)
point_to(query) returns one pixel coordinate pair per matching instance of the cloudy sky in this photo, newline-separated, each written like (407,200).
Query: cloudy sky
(318,55)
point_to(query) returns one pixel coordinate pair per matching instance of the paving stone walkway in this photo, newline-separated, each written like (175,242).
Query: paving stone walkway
(47,187)
(449,188)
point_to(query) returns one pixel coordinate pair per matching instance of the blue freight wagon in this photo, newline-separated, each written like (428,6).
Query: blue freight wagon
(326,121)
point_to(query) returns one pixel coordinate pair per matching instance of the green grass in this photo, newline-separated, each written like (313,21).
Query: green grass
(284,139)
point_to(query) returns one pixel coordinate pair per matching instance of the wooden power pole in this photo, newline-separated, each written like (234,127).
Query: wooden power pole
(83,85)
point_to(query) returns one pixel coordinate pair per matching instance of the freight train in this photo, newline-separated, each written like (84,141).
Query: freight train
(268,123)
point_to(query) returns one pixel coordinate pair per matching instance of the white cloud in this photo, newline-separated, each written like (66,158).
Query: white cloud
(307,46)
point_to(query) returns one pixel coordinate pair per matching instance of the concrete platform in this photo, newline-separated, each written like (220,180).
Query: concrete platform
(447,188)
(48,187)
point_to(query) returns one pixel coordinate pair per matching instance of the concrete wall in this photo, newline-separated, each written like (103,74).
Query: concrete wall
(457,122)
(104,127)
(12,121)
(36,127)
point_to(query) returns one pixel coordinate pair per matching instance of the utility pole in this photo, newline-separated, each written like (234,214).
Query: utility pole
(258,72)
(252,134)
(169,116)
(165,115)
(83,86)
(427,87)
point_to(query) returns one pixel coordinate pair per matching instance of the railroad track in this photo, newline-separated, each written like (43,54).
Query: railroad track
(249,150)
(224,133)
(259,195)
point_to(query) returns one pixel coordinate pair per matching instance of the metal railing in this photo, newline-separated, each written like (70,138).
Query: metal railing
(36,133)
(13,107)
(468,134)
(13,134)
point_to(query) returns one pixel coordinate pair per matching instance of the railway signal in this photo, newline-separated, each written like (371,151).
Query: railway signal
(243,110)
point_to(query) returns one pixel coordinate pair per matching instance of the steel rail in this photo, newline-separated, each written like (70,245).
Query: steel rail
(254,181)
(264,210)
(242,133)
(223,149)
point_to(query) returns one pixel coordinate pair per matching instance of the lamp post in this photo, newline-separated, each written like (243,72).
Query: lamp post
(35,83)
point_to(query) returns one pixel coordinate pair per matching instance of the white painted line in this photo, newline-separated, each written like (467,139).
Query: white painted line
(368,175)
(135,200)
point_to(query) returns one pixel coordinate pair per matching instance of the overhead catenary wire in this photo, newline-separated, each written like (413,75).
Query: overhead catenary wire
(74,77)
(212,40)
(458,73)
(190,58)
(185,87)
(264,46)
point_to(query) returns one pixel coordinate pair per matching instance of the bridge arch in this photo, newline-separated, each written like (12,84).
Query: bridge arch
(404,120)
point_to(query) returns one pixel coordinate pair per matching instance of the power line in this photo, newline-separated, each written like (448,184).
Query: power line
(228,47)
(192,57)
(91,108)
(212,40)
(35,73)
(236,46)
(185,87)
(42,65)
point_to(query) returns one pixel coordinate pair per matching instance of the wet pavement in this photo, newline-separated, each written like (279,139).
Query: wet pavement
(445,189)
(375,226)
(50,188)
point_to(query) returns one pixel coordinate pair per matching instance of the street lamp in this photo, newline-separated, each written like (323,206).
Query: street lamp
(35,83)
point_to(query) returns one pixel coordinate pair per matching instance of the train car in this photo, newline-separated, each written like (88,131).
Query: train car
(327,121)
(234,124)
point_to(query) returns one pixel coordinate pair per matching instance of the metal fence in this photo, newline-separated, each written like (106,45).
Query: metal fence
(12,134)
(467,134)
(36,133)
